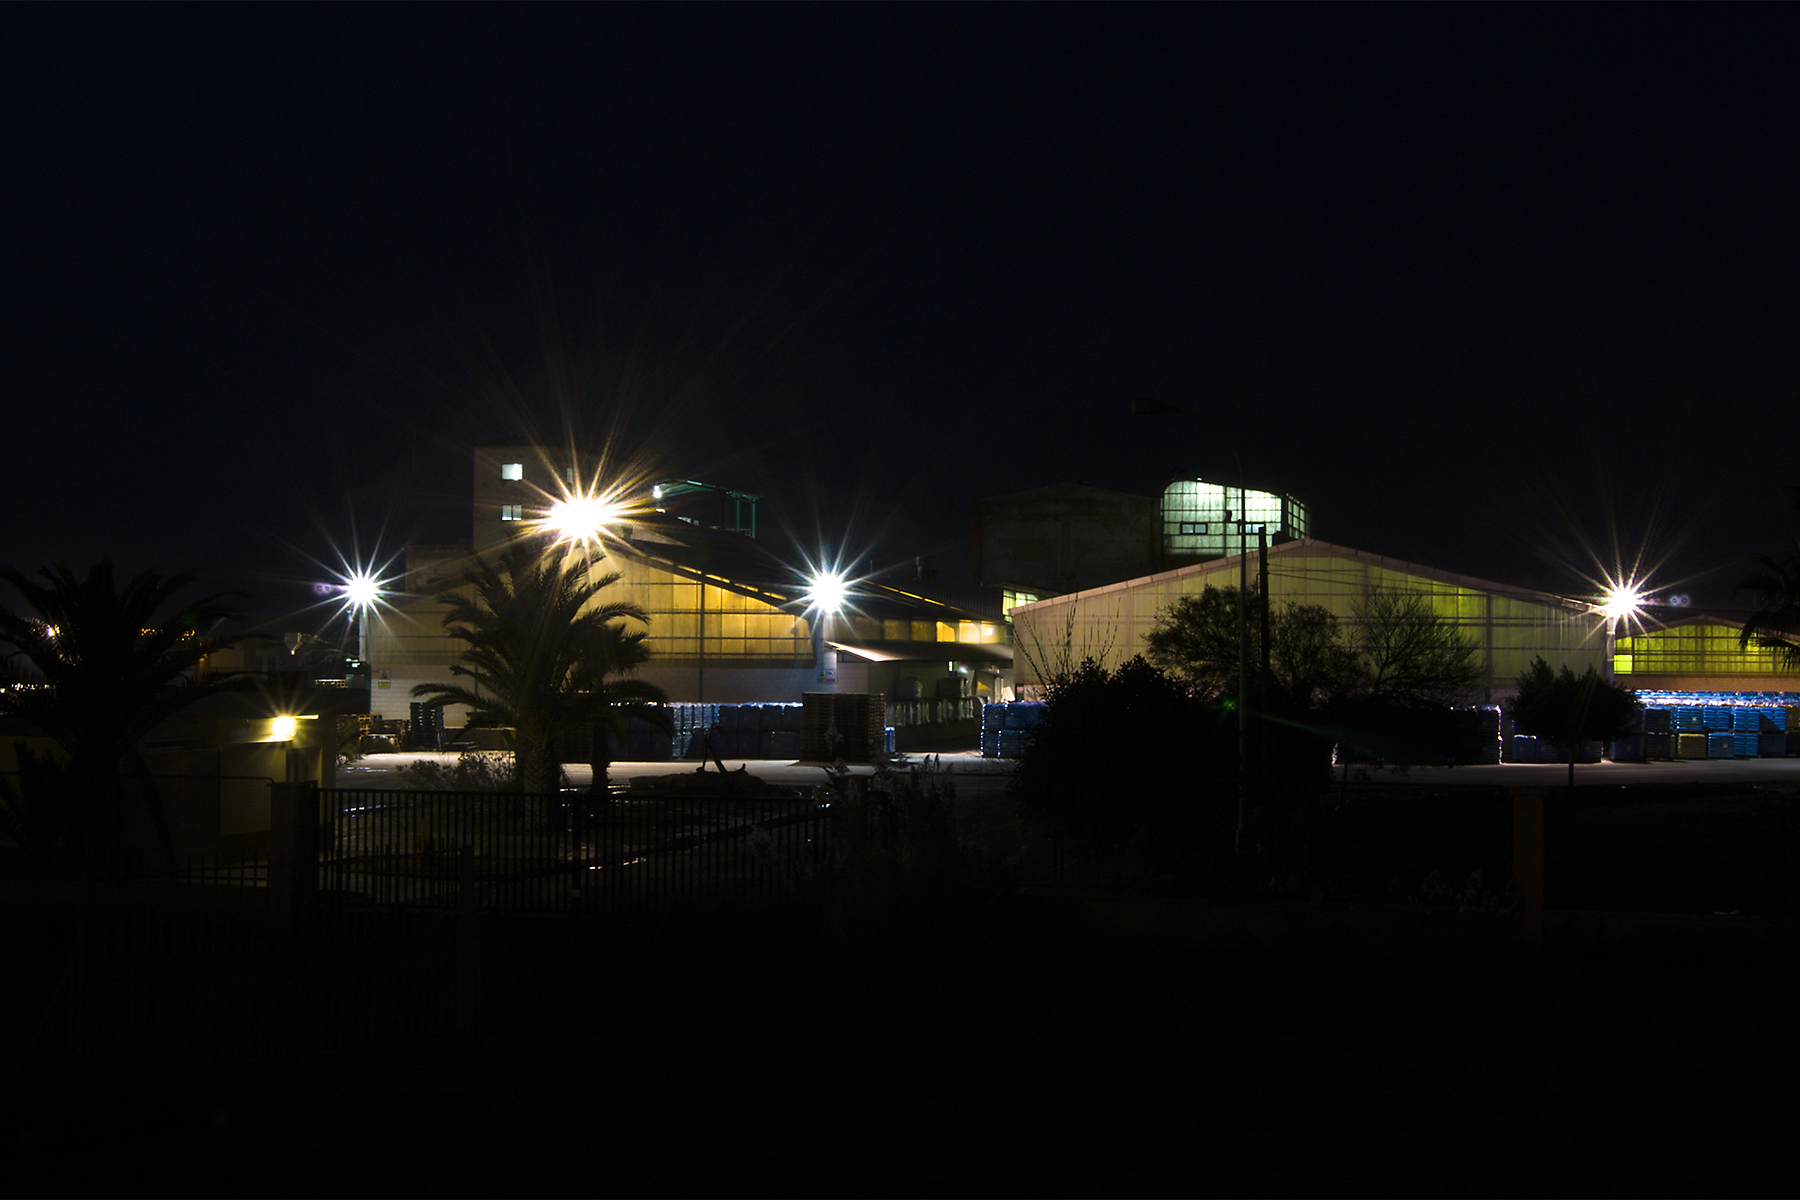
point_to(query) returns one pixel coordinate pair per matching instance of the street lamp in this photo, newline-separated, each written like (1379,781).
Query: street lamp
(1621,603)
(362,591)
(826,592)
(581,518)
(1144,406)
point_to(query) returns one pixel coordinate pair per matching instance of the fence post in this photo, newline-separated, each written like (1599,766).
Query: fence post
(468,944)
(293,851)
(1528,864)
(849,820)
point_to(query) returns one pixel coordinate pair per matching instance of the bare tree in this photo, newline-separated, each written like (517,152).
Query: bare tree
(1196,641)
(1060,655)
(1410,653)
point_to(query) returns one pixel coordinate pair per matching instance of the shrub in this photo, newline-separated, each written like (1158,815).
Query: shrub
(1127,767)
(473,771)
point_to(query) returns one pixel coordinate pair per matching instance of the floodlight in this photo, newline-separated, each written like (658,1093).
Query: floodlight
(361,590)
(581,518)
(1622,602)
(827,591)
(282,729)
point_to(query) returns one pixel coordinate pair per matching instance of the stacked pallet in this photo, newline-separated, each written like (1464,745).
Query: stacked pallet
(834,725)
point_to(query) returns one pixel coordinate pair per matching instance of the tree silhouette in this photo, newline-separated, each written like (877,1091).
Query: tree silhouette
(1195,641)
(1775,625)
(97,666)
(543,655)
(1400,650)
(1568,710)
(1410,654)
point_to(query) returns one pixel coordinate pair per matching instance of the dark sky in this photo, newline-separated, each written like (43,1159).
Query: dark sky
(1489,288)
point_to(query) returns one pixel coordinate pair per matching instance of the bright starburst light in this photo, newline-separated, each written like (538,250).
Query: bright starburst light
(582,518)
(827,591)
(1622,602)
(361,590)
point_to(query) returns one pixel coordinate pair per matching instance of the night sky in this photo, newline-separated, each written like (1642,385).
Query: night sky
(1497,290)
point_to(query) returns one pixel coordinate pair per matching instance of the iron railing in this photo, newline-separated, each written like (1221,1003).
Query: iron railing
(566,852)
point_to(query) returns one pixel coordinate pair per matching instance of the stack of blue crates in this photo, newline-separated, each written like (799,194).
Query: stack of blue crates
(1004,726)
(1771,731)
(1744,728)
(741,730)
(993,720)
(642,743)
(1758,722)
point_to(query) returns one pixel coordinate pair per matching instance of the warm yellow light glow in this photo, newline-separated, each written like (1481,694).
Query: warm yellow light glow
(582,518)
(281,729)
(1622,602)
(828,592)
(361,590)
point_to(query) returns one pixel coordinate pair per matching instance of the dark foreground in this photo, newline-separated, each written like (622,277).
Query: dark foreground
(981,1045)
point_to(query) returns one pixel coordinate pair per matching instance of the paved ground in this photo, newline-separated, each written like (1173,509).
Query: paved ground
(974,771)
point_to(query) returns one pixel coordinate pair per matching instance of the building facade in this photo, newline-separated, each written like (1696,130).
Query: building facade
(729,619)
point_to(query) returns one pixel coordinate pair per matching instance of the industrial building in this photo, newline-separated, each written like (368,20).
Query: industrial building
(1070,537)
(1694,661)
(730,620)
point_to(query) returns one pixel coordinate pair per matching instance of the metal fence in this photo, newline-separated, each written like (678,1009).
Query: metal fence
(566,853)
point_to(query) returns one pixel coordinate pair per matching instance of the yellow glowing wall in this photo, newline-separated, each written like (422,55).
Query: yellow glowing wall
(689,620)
(1110,623)
(1703,649)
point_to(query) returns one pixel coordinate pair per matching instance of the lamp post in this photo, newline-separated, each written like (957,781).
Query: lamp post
(1144,406)
(361,592)
(825,596)
(1622,602)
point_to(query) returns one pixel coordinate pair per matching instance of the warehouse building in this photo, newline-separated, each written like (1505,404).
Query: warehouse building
(1694,662)
(1070,537)
(730,620)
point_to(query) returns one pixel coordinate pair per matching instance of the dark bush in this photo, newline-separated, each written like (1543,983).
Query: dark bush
(1125,766)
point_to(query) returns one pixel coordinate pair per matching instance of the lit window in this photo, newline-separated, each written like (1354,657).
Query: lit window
(1192,527)
(512,470)
(512,512)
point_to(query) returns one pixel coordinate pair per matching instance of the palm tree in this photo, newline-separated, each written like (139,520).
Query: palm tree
(617,652)
(97,666)
(541,652)
(1775,625)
